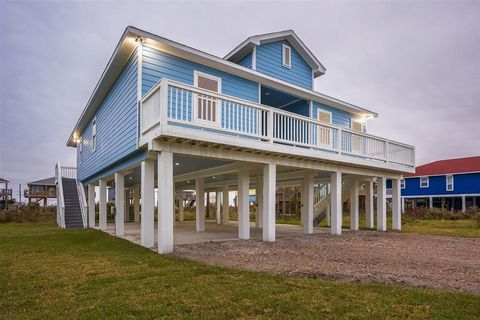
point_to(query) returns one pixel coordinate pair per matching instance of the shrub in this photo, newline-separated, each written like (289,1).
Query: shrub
(29,213)
(441,214)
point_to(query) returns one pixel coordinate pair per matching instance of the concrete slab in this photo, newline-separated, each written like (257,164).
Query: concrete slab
(184,232)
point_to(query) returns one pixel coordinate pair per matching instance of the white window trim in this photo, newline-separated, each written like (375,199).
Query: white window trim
(363,124)
(324,111)
(428,182)
(403,183)
(197,73)
(289,64)
(94,134)
(446,182)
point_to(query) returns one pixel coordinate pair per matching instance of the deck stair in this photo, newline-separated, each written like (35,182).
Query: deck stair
(71,201)
(73,212)
(322,201)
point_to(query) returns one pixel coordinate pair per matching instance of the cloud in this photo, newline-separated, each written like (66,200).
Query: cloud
(416,64)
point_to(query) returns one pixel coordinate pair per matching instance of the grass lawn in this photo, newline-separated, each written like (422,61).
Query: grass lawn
(456,228)
(50,273)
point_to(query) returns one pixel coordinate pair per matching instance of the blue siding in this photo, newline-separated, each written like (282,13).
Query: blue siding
(339,117)
(116,125)
(301,107)
(462,183)
(246,61)
(157,64)
(269,61)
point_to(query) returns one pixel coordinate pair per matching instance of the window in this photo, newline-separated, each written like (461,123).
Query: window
(207,106)
(324,133)
(424,182)
(402,184)
(449,183)
(94,134)
(80,149)
(286,56)
(358,126)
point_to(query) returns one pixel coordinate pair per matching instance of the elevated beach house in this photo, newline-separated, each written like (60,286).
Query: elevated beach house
(168,117)
(452,184)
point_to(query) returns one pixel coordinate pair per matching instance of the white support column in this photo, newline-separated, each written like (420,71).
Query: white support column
(126,210)
(369,216)
(328,214)
(91,205)
(181,206)
(243,204)
(218,203)
(148,200)
(381,204)
(354,203)
(403,205)
(396,205)
(269,189)
(464,204)
(430,202)
(336,203)
(119,204)
(226,205)
(307,203)
(136,204)
(102,205)
(302,207)
(165,202)
(259,198)
(200,204)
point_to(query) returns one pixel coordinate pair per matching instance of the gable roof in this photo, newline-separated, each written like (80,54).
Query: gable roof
(128,44)
(289,35)
(43,182)
(448,166)
(4,180)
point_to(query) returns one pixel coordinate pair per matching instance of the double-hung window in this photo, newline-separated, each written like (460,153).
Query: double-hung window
(94,134)
(424,182)
(449,183)
(286,56)
(402,184)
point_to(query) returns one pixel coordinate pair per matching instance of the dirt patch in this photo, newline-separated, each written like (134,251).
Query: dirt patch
(445,263)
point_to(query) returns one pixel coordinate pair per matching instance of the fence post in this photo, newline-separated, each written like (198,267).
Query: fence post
(270,125)
(339,140)
(162,107)
(385,152)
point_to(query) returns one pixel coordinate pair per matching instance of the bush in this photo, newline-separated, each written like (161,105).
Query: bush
(29,213)
(440,214)
(477,218)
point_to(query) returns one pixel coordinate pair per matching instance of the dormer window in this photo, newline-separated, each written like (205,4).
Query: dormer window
(286,56)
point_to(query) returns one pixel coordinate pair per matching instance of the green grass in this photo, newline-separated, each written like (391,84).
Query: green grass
(49,273)
(455,228)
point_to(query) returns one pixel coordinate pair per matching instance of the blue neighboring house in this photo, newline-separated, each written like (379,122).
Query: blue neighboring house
(453,184)
(165,117)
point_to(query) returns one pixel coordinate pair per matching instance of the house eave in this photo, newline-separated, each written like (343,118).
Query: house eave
(127,45)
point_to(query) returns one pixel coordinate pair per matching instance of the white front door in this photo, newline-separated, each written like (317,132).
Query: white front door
(206,106)
(324,132)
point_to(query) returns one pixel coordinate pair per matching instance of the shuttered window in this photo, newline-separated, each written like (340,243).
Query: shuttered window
(286,56)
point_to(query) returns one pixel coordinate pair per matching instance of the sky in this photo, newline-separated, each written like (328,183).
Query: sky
(415,63)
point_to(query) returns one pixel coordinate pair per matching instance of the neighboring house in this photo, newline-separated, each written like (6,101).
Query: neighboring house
(453,184)
(5,194)
(169,116)
(41,191)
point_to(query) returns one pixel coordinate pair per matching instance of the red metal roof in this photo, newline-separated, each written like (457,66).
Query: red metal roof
(471,164)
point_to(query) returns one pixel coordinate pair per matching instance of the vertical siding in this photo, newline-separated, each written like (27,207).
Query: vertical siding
(116,125)
(157,64)
(269,61)
(339,117)
(462,183)
(246,61)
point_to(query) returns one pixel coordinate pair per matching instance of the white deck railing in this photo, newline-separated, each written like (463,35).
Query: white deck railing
(60,199)
(172,102)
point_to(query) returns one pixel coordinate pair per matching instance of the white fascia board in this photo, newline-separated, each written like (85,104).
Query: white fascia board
(441,174)
(127,45)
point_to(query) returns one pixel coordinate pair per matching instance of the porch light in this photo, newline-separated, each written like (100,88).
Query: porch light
(177,163)
(213,177)
(188,181)
(139,39)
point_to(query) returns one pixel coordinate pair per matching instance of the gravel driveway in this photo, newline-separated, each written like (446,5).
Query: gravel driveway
(445,263)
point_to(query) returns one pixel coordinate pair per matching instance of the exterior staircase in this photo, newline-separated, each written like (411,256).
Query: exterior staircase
(322,201)
(71,201)
(73,212)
